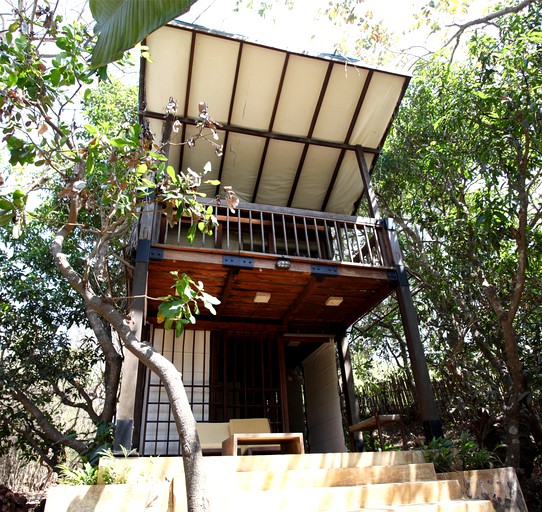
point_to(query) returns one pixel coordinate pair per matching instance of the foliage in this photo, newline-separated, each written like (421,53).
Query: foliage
(461,177)
(85,475)
(84,186)
(179,309)
(93,182)
(111,472)
(38,356)
(463,455)
(440,452)
(120,24)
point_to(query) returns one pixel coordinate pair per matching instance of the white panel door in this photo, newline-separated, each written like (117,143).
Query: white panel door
(324,419)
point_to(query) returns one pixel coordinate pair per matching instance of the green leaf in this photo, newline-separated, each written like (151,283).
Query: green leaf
(179,328)
(158,156)
(92,130)
(213,182)
(118,142)
(5,219)
(19,198)
(5,205)
(191,233)
(120,24)
(171,173)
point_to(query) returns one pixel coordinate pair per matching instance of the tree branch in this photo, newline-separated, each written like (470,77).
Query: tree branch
(489,18)
(48,428)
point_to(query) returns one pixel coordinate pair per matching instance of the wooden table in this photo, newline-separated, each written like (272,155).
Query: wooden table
(378,421)
(288,442)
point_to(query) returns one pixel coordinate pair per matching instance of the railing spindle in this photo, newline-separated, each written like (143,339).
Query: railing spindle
(348,244)
(239,233)
(274,238)
(295,236)
(368,245)
(317,239)
(339,241)
(307,241)
(263,232)
(284,234)
(250,230)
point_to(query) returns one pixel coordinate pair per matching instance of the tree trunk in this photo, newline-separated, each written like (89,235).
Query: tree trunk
(516,395)
(165,370)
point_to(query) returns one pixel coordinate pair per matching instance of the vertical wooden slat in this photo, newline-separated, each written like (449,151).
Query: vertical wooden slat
(228,229)
(339,241)
(307,240)
(378,247)
(239,231)
(273,234)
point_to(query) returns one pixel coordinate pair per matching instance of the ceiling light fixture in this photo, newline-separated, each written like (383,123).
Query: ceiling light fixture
(334,301)
(262,297)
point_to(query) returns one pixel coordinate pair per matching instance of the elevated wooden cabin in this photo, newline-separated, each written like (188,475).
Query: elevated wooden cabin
(292,264)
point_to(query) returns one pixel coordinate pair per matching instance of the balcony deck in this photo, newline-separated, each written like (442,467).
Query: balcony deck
(339,268)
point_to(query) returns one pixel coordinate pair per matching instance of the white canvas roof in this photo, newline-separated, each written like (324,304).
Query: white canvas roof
(293,125)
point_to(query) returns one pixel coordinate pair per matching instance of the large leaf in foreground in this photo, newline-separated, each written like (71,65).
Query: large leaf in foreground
(121,24)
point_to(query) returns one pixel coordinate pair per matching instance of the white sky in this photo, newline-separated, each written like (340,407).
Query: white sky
(303,28)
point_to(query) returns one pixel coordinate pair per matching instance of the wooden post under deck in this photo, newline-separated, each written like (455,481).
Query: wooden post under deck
(349,393)
(432,424)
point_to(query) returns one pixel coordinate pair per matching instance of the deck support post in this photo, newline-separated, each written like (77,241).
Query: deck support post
(129,406)
(432,424)
(349,393)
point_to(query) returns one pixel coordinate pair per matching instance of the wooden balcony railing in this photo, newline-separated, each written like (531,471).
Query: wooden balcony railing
(287,232)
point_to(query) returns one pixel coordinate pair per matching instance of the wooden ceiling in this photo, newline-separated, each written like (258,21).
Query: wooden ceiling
(298,296)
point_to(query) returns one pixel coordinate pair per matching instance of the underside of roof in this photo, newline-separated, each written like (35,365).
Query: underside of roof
(296,129)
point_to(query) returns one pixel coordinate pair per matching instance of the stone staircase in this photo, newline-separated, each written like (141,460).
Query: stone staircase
(335,482)
(332,482)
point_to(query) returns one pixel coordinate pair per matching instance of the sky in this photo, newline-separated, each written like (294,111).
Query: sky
(305,28)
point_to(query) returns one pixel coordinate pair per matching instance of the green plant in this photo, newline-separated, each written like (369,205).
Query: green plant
(441,452)
(466,455)
(112,473)
(86,475)
(471,455)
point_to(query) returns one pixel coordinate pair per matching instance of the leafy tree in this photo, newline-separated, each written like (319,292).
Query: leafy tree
(44,371)
(50,380)
(93,186)
(461,176)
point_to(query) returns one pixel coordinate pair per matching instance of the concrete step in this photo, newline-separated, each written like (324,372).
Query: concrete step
(443,506)
(409,493)
(318,499)
(320,477)
(161,468)
(315,460)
